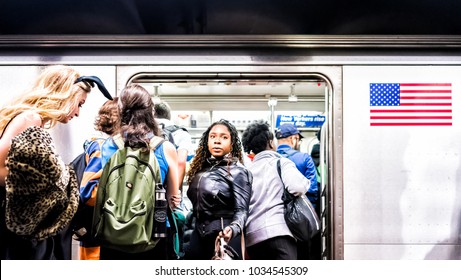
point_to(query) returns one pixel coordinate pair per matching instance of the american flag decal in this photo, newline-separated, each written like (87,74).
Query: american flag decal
(410,104)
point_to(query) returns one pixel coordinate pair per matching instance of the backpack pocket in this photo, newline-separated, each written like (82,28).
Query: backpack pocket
(127,226)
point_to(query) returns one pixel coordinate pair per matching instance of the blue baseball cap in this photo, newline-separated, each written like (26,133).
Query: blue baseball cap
(287,129)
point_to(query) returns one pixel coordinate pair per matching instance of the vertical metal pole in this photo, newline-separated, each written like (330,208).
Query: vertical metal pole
(272,103)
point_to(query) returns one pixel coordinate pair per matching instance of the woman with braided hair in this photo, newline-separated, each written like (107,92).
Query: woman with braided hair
(219,189)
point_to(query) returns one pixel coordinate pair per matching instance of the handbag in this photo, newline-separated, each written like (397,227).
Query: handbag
(222,251)
(300,215)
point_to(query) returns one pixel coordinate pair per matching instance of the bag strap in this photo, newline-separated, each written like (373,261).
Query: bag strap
(217,249)
(7,124)
(286,196)
(217,246)
(155,142)
(118,140)
(279,171)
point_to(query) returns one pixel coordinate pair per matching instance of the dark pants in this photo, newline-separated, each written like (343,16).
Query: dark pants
(315,249)
(63,244)
(15,247)
(276,248)
(158,253)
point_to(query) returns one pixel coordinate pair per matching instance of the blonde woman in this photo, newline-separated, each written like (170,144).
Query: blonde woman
(39,192)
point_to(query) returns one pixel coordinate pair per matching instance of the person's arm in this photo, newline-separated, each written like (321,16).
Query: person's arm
(92,174)
(242,181)
(20,123)
(295,182)
(171,180)
(182,161)
(311,174)
(183,141)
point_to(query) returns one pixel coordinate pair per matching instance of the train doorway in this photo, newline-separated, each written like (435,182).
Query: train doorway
(197,100)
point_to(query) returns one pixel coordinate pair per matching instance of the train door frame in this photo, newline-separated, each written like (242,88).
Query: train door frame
(331,144)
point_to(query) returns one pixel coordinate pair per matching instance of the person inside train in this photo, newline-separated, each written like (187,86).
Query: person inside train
(267,234)
(182,140)
(219,189)
(107,123)
(31,224)
(288,139)
(315,151)
(181,137)
(137,126)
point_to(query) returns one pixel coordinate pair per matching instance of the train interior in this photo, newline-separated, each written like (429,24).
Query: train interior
(198,103)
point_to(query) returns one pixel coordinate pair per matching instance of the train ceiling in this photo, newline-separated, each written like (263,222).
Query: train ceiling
(230,17)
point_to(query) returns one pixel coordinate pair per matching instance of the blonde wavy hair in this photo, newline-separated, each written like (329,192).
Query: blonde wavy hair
(53,96)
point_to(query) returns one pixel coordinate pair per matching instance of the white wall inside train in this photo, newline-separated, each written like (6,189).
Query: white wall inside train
(197,122)
(402,185)
(69,138)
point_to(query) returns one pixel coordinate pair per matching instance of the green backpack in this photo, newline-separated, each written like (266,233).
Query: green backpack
(123,217)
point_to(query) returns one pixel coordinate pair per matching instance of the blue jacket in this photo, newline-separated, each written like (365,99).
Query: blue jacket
(306,166)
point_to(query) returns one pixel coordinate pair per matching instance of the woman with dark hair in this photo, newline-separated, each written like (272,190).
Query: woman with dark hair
(219,189)
(267,234)
(137,127)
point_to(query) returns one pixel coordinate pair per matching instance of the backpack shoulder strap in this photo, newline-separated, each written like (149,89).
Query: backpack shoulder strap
(172,128)
(118,140)
(155,142)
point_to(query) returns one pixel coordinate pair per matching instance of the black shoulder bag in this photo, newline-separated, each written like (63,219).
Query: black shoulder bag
(299,214)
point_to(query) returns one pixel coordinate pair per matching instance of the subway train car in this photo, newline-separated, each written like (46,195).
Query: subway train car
(389,108)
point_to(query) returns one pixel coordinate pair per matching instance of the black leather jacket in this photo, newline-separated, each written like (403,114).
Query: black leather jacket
(221,190)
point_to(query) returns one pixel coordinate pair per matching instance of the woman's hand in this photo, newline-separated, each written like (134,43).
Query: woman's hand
(175,201)
(226,233)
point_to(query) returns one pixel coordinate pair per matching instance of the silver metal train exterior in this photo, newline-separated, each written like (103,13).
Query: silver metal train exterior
(389,192)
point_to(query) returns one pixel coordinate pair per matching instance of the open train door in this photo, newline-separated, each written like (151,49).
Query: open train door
(201,96)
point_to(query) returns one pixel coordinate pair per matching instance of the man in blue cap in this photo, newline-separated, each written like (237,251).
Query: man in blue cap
(288,139)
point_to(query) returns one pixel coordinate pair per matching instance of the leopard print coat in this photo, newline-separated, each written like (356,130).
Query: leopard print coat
(41,191)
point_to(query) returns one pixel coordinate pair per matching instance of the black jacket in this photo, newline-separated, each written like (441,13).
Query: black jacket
(221,190)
